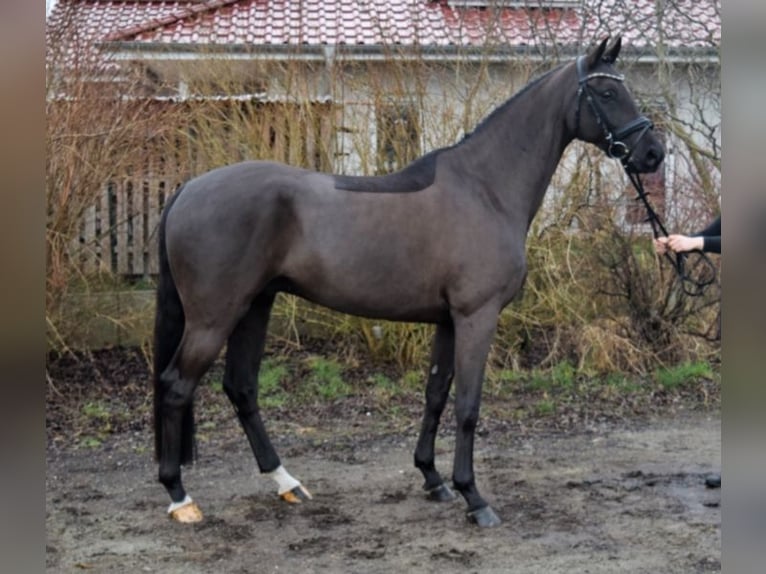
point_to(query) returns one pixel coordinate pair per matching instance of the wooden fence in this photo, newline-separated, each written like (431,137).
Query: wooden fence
(119,231)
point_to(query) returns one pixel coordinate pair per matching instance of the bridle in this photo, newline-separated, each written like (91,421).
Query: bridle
(617,148)
(615,144)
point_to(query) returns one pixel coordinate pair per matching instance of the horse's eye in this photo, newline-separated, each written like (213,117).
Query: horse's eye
(608,94)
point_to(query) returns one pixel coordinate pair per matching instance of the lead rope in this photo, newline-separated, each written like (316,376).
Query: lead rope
(694,287)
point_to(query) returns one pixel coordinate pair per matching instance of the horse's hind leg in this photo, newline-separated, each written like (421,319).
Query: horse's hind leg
(442,370)
(243,359)
(195,354)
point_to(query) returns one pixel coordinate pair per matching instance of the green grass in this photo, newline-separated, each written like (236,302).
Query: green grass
(99,419)
(98,416)
(545,407)
(413,381)
(326,378)
(563,374)
(96,410)
(90,442)
(217,385)
(270,379)
(503,382)
(381,381)
(509,376)
(271,375)
(383,387)
(539,380)
(679,375)
(621,383)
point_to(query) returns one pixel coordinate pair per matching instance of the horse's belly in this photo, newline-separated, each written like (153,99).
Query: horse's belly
(381,301)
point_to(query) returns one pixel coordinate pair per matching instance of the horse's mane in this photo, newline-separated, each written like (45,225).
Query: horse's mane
(420,173)
(508,103)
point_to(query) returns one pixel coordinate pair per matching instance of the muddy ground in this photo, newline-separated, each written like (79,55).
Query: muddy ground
(602,493)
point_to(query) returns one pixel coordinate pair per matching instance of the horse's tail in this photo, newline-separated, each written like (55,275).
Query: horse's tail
(168,330)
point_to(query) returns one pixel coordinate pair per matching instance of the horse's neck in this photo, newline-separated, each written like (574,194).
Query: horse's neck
(515,153)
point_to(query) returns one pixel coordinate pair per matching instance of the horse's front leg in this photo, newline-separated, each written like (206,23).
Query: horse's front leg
(473,336)
(442,370)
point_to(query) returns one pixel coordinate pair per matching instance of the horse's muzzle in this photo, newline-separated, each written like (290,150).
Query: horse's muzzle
(647,159)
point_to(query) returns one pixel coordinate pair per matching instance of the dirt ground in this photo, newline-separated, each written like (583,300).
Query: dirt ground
(614,496)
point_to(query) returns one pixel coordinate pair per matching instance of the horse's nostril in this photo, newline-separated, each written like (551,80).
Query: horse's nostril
(654,157)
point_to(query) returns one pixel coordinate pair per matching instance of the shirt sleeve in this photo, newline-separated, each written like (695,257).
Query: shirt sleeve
(712,236)
(712,244)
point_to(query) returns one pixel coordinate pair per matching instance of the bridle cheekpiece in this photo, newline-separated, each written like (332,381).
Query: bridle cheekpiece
(616,147)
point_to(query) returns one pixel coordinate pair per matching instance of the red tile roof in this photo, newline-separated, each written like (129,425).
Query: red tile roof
(156,23)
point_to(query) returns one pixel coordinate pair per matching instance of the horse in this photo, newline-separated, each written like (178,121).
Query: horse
(441,241)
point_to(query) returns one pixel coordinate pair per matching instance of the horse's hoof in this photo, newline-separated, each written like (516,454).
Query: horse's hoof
(484,517)
(187,514)
(296,495)
(441,493)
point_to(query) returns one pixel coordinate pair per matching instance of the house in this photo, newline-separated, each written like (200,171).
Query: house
(376,83)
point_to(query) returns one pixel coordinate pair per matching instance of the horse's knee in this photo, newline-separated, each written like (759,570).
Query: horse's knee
(436,400)
(245,401)
(175,392)
(177,397)
(467,418)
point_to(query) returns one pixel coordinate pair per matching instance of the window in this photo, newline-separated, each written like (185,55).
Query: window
(398,136)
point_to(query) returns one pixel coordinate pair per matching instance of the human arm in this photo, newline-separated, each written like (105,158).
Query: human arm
(709,239)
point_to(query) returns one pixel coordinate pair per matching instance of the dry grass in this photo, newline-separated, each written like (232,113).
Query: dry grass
(595,296)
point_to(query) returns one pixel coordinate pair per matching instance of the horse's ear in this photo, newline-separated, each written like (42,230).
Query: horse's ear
(610,56)
(597,53)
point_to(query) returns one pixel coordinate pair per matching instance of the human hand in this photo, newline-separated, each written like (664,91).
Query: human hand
(661,245)
(680,243)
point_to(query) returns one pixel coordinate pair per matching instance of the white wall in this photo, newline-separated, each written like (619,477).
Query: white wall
(456,98)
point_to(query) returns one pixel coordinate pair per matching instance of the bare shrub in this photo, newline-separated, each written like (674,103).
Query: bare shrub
(596,295)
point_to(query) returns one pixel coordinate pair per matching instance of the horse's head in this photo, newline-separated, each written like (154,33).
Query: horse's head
(605,113)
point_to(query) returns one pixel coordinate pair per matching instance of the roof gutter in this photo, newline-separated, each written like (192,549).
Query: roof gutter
(381,53)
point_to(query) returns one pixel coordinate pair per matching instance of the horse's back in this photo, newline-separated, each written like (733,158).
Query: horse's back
(253,177)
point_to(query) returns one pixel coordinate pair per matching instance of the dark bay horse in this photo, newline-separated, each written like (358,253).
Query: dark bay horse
(442,241)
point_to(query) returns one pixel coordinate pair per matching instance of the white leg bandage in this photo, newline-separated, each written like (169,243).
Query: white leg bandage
(285,482)
(176,505)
